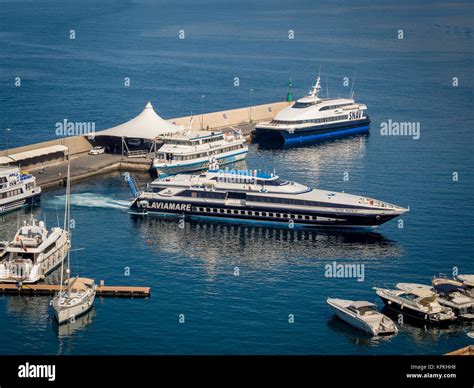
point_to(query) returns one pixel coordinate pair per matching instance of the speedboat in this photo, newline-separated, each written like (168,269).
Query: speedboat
(449,294)
(363,316)
(17,189)
(419,303)
(34,252)
(311,118)
(467,280)
(265,198)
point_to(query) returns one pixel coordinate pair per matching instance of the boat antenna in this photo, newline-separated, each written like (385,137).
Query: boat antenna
(327,87)
(352,87)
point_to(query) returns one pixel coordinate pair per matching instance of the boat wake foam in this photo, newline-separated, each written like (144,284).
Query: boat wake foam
(91,200)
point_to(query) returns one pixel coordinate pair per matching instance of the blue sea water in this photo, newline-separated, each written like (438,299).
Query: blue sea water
(281,272)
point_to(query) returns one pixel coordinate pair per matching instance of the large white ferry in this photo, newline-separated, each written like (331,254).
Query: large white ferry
(193,150)
(311,118)
(34,253)
(17,189)
(261,198)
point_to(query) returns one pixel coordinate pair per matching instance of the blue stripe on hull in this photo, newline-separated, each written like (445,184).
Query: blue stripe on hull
(326,135)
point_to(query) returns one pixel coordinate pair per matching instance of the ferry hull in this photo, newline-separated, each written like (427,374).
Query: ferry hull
(320,132)
(199,166)
(238,214)
(17,204)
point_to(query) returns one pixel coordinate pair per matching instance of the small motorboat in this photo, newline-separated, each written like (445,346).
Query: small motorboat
(418,302)
(364,316)
(467,280)
(450,293)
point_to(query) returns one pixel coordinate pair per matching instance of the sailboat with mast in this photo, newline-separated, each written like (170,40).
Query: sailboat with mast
(76,295)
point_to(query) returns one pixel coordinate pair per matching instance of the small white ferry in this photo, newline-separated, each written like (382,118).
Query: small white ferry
(17,189)
(193,150)
(312,118)
(34,253)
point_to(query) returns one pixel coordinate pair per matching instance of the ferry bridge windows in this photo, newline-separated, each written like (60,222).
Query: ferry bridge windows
(312,121)
(302,105)
(334,106)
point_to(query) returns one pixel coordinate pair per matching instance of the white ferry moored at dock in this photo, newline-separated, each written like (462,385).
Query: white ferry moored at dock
(262,198)
(34,253)
(17,189)
(311,118)
(194,150)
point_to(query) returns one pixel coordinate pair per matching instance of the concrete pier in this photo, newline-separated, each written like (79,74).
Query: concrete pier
(52,173)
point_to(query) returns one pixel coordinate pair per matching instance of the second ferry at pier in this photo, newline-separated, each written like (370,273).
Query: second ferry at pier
(17,189)
(311,118)
(262,198)
(193,151)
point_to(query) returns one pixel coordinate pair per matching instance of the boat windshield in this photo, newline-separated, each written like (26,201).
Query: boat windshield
(273,182)
(366,309)
(302,105)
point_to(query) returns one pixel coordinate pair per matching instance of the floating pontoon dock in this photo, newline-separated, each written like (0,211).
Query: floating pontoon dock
(51,289)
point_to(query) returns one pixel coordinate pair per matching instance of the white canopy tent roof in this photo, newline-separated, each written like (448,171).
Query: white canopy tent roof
(147,125)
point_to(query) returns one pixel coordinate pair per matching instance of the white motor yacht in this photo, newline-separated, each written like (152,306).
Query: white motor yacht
(364,316)
(34,252)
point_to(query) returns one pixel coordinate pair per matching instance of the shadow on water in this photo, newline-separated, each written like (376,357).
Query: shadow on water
(356,336)
(71,328)
(421,332)
(261,246)
(68,331)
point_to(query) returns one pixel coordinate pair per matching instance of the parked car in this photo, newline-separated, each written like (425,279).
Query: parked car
(97,151)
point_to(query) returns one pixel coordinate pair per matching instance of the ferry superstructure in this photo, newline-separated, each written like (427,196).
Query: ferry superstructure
(17,189)
(194,150)
(311,118)
(34,252)
(262,198)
